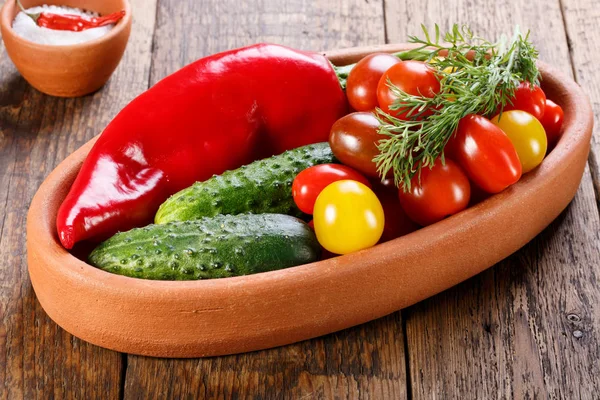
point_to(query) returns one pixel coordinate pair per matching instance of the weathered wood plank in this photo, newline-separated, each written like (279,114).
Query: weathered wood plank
(365,362)
(523,329)
(362,362)
(189,30)
(582,18)
(37,358)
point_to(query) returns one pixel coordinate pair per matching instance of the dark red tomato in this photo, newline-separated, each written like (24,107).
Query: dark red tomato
(309,183)
(526,99)
(353,140)
(397,222)
(478,195)
(444,190)
(325,255)
(552,122)
(412,77)
(361,86)
(485,153)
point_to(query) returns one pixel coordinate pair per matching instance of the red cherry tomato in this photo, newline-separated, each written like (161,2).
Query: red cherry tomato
(444,190)
(361,86)
(309,183)
(552,122)
(353,140)
(396,222)
(526,99)
(412,77)
(485,153)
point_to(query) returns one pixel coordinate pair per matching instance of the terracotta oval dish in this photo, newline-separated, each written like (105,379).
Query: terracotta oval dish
(233,315)
(67,70)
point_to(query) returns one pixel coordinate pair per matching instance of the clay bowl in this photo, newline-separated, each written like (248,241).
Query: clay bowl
(73,70)
(233,315)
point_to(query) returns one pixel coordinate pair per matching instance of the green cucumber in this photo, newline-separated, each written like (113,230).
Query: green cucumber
(216,247)
(263,186)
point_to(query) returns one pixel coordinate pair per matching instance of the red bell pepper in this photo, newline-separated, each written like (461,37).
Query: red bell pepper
(215,114)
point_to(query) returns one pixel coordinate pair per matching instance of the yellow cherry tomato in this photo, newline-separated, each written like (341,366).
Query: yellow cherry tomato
(527,135)
(436,60)
(348,217)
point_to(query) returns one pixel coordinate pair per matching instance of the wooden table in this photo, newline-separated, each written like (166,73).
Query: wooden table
(527,328)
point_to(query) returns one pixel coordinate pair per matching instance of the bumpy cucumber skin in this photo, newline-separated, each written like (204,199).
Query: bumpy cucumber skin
(263,186)
(215,247)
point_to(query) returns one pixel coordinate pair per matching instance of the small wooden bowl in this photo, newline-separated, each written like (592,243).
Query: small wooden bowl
(233,315)
(70,70)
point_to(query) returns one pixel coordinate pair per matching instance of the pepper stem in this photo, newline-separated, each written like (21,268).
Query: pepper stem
(34,17)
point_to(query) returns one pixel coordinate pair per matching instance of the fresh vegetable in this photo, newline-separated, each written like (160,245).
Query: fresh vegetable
(348,217)
(527,135)
(485,153)
(353,140)
(310,183)
(552,122)
(70,22)
(478,195)
(434,62)
(325,254)
(475,77)
(528,98)
(263,186)
(217,247)
(361,86)
(397,222)
(412,78)
(442,191)
(216,114)
(343,71)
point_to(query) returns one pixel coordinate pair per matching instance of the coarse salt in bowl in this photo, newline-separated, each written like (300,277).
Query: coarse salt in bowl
(27,28)
(60,69)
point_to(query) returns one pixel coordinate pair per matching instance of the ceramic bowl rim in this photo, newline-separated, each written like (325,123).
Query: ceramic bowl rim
(466,214)
(253,312)
(6,20)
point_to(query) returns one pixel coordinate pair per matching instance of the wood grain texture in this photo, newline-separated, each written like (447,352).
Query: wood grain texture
(582,18)
(358,363)
(188,30)
(37,358)
(528,328)
(525,328)
(363,362)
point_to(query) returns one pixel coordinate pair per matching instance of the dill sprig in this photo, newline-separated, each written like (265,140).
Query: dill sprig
(476,77)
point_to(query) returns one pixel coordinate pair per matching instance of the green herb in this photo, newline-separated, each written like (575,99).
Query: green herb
(476,77)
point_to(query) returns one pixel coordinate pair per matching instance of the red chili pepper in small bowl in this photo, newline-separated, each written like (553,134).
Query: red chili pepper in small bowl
(71,22)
